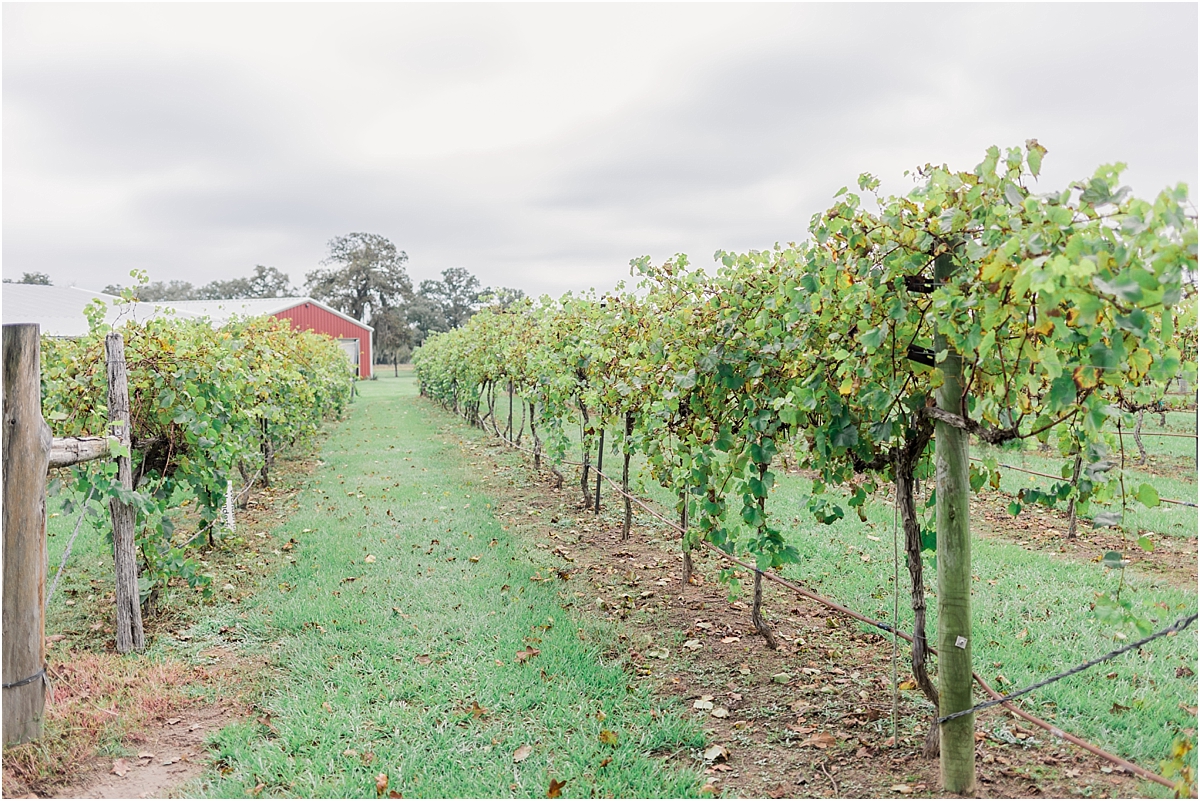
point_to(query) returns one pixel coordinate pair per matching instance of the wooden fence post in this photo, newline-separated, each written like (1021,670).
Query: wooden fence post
(951,457)
(124,517)
(27,443)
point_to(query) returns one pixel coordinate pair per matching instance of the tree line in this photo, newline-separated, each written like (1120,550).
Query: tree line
(363,276)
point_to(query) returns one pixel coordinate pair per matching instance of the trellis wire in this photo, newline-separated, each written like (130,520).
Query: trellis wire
(1177,626)
(70,544)
(1060,478)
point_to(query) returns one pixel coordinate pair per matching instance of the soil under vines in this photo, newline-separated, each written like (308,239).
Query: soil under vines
(813,719)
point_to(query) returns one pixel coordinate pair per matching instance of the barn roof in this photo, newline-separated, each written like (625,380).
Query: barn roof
(59,309)
(221,310)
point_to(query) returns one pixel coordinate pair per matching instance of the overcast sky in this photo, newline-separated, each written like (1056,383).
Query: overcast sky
(542,146)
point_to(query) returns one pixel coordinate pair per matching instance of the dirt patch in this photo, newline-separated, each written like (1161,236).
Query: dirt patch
(812,719)
(169,752)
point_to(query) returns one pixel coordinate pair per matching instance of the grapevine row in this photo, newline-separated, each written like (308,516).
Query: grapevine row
(208,407)
(1058,308)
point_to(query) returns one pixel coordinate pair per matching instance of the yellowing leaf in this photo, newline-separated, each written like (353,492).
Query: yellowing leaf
(608,737)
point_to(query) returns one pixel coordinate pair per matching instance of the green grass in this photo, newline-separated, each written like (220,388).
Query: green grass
(352,638)
(1169,519)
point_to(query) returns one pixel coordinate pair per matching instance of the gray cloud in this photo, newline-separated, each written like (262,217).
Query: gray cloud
(543,146)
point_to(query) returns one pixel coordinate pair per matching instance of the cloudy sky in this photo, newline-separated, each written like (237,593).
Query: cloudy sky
(542,146)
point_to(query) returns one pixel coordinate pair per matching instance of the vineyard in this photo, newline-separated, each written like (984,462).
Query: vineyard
(972,306)
(843,517)
(208,409)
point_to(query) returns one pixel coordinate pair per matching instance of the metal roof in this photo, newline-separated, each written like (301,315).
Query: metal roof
(221,310)
(59,309)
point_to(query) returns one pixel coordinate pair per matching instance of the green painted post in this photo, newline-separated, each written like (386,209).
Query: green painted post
(951,452)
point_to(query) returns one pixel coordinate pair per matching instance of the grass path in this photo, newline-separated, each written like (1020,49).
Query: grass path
(413,644)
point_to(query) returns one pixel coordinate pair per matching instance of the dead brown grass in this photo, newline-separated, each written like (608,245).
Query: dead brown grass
(96,699)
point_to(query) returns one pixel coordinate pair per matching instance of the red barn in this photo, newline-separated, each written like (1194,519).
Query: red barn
(303,313)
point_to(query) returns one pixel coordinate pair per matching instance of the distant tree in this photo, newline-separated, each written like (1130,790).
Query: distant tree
(41,279)
(424,317)
(393,336)
(157,291)
(458,293)
(365,274)
(503,297)
(267,282)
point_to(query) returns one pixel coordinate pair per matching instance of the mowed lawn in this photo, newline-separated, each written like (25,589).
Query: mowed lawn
(411,646)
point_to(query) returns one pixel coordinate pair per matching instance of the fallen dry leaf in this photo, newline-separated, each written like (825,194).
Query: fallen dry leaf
(173,721)
(526,654)
(728,640)
(720,712)
(258,788)
(394,794)
(369,560)
(693,645)
(120,767)
(903,789)
(778,792)
(381,783)
(716,753)
(555,788)
(522,753)
(328,707)
(703,705)
(477,711)
(821,739)
(423,659)
(608,737)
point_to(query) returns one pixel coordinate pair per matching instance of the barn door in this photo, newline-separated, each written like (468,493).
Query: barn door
(350,346)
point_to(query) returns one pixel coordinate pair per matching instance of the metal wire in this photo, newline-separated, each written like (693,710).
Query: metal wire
(1178,625)
(67,552)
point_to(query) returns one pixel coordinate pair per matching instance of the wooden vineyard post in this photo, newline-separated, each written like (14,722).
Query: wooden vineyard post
(625,477)
(27,443)
(124,517)
(599,468)
(951,456)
